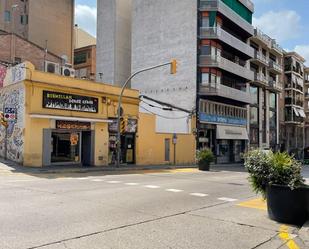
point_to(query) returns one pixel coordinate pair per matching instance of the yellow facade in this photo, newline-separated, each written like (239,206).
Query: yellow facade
(36,118)
(151,145)
(31,139)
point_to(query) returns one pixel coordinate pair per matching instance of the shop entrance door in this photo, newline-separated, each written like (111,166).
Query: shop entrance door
(66,147)
(87,148)
(128,148)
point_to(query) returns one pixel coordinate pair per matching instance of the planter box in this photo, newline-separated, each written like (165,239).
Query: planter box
(288,206)
(203,166)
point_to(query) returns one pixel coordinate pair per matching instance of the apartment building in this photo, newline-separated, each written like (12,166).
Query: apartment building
(49,24)
(306,106)
(292,138)
(114,41)
(85,62)
(265,89)
(210,40)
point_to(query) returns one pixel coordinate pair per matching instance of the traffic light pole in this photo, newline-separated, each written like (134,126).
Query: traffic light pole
(172,63)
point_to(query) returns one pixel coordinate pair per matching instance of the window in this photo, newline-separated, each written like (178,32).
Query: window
(255,94)
(205,21)
(205,50)
(254,116)
(7,16)
(272,120)
(272,100)
(205,79)
(80,58)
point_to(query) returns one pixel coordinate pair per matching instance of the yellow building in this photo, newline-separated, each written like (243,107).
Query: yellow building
(57,120)
(62,120)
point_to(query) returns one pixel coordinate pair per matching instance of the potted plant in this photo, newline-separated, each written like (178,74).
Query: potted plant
(277,176)
(205,157)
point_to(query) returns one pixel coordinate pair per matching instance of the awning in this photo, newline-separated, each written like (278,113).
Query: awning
(301,113)
(296,112)
(232,133)
(92,120)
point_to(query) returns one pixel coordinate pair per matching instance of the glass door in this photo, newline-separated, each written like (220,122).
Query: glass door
(66,147)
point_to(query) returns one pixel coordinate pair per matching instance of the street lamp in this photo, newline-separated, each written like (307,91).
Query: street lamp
(172,64)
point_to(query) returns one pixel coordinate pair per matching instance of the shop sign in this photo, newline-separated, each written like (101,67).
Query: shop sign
(10,114)
(71,102)
(131,126)
(73,125)
(222,119)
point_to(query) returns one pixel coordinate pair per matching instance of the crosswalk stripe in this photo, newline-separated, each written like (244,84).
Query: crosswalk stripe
(132,183)
(174,190)
(152,186)
(226,199)
(113,182)
(97,180)
(199,194)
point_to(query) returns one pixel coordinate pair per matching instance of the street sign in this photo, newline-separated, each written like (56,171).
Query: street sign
(10,114)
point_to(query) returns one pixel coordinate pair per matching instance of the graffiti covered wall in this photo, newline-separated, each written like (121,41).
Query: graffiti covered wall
(13,96)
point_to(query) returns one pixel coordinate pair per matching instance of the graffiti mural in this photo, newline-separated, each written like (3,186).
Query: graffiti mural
(13,96)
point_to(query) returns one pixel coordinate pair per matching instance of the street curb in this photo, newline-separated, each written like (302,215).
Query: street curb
(304,233)
(95,169)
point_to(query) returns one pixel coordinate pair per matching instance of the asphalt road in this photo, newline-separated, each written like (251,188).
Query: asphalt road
(176,209)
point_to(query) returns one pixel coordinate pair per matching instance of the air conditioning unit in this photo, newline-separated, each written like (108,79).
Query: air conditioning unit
(68,71)
(52,67)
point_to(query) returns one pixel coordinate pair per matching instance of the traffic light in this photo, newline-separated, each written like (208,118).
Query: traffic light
(123,125)
(173,66)
(2,120)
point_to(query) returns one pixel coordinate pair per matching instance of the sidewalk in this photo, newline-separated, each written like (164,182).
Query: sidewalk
(304,234)
(14,167)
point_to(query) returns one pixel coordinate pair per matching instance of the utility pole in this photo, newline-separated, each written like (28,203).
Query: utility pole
(173,65)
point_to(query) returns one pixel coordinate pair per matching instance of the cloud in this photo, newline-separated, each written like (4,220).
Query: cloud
(86,18)
(282,25)
(303,50)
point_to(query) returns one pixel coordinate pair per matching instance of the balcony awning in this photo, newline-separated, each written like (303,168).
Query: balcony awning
(301,113)
(296,112)
(232,133)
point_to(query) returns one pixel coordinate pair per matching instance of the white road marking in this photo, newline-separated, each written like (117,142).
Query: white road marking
(174,190)
(151,186)
(97,180)
(227,199)
(82,178)
(199,194)
(132,183)
(113,182)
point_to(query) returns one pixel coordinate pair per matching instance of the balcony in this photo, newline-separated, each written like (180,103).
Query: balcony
(260,78)
(275,68)
(259,58)
(259,36)
(307,95)
(248,4)
(227,65)
(216,89)
(221,34)
(217,5)
(273,85)
(276,48)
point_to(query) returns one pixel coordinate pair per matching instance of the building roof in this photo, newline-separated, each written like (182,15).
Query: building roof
(296,55)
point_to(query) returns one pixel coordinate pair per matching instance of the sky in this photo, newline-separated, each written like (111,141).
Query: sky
(287,21)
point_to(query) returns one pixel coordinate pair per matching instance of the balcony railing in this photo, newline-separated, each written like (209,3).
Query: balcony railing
(263,37)
(275,46)
(219,33)
(259,56)
(217,89)
(217,5)
(274,66)
(260,77)
(227,65)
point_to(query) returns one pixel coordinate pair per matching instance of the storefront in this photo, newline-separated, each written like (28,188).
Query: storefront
(64,121)
(128,142)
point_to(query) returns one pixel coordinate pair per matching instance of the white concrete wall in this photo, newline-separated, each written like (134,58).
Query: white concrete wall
(114,40)
(162,30)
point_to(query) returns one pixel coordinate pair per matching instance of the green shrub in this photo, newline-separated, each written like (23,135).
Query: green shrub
(272,168)
(205,156)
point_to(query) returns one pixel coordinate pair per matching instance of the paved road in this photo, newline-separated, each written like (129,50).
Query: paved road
(170,209)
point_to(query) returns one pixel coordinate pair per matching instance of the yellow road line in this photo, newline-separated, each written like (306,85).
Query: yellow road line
(285,237)
(255,203)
